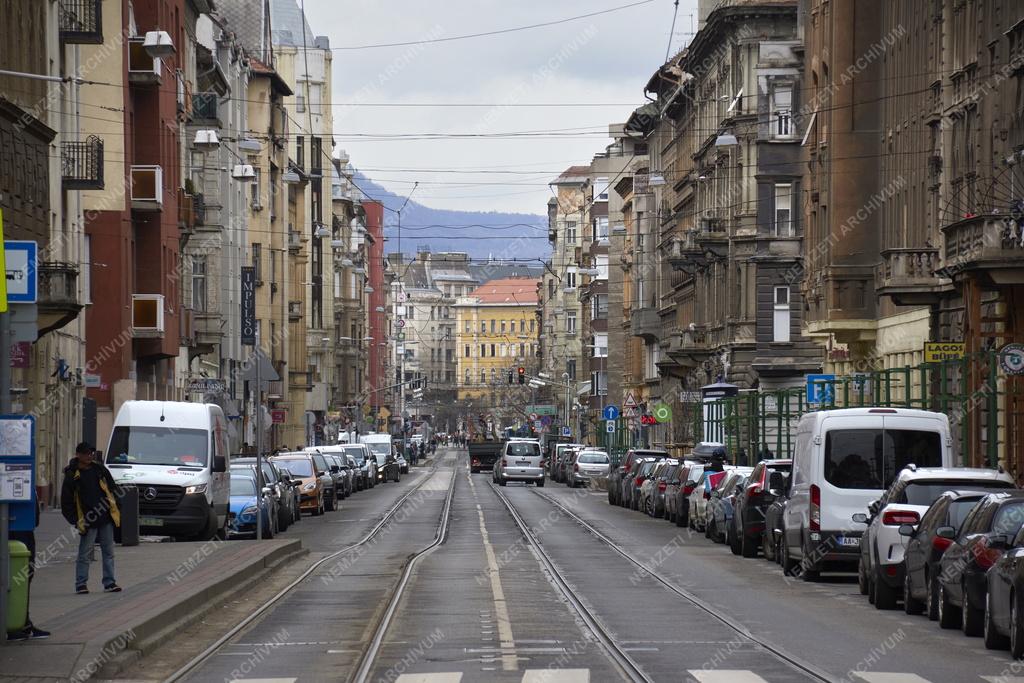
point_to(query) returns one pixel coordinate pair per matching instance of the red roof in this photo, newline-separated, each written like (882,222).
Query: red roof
(516,291)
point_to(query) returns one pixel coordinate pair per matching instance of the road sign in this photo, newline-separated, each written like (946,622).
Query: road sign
(629,411)
(542,409)
(538,425)
(279,416)
(821,388)
(533,417)
(22,277)
(609,426)
(630,401)
(400,322)
(1011,359)
(662,413)
(610,412)
(567,431)
(936,352)
(546,421)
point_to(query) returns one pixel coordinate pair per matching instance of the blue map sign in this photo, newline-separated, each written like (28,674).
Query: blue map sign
(610,413)
(821,388)
(17,470)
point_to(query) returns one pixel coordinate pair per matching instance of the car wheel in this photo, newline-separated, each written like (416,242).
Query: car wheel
(994,640)
(540,483)
(282,519)
(747,546)
(767,547)
(862,578)
(788,563)
(331,504)
(680,520)
(971,618)
(949,616)
(933,599)
(735,544)
(885,595)
(911,605)
(1016,629)
(502,482)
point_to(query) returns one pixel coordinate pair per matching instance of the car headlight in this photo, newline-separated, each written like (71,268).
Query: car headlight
(249,511)
(195,488)
(309,486)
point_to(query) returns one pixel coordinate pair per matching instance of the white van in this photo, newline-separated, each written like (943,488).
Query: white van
(177,455)
(843,460)
(380,445)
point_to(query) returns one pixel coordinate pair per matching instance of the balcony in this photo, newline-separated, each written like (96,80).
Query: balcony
(294,311)
(992,243)
(645,323)
(712,237)
(209,330)
(81,22)
(147,188)
(684,254)
(58,295)
(186,210)
(908,276)
(82,164)
(690,346)
(294,241)
(147,316)
(142,68)
(205,109)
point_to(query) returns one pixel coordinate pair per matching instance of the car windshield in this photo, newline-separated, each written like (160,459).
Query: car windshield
(356,453)
(523,449)
(959,509)
(871,458)
(646,468)
(1008,518)
(163,446)
(300,467)
(243,486)
(927,492)
(380,449)
(600,458)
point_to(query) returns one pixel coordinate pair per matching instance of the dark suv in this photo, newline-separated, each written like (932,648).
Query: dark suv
(761,489)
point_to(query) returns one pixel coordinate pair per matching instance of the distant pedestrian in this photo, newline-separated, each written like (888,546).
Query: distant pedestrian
(29,539)
(88,500)
(718,460)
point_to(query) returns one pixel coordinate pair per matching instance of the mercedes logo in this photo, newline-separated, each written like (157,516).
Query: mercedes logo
(150,493)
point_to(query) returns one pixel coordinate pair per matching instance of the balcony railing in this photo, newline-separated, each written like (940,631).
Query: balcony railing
(81,21)
(142,67)
(82,164)
(147,190)
(908,275)
(294,310)
(58,284)
(205,108)
(685,255)
(645,323)
(993,243)
(294,240)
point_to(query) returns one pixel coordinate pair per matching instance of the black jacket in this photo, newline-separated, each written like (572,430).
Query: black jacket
(71,498)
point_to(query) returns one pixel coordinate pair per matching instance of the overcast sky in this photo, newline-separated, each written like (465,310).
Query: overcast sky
(601,59)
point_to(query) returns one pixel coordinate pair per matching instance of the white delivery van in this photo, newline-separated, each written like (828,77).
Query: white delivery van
(843,460)
(176,454)
(380,446)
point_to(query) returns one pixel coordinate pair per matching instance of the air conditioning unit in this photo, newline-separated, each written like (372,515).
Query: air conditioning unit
(147,315)
(147,188)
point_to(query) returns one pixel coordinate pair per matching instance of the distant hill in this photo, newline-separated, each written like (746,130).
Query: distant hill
(480,234)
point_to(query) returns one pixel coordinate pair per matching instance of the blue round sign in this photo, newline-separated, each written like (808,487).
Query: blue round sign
(611,413)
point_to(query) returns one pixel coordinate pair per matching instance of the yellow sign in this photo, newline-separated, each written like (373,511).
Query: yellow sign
(383,413)
(3,267)
(936,352)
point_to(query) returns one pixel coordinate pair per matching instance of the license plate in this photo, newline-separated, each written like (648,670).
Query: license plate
(848,542)
(522,462)
(150,521)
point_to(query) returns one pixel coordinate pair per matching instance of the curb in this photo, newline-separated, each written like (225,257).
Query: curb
(106,655)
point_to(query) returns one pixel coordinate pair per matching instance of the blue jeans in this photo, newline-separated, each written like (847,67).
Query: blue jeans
(105,535)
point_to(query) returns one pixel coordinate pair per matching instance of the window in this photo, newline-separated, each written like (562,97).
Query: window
(782,111)
(300,152)
(300,103)
(533,326)
(483,350)
(254,191)
(570,368)
(601,228)
(570,322)
(467,327)
(522,326)
(492,350)
(598,383)
(199,283)
(570,232)
(651,359)
(483,377)
(600,345)
(467,351)
(257,261)
(599,306)
(871,458)
(503,350)
(483,327)
(315,95)
(783,210)
(570,279)
(600,189)
(493,325)
(411,312)
(780,321)
(503,327)
(601,264)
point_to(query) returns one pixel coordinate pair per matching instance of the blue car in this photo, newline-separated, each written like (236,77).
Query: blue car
(242,508)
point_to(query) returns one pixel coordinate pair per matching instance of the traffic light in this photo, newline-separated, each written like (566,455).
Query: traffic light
(522,375)
(510,379)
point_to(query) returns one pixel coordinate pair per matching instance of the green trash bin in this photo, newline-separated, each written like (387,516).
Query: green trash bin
(17,597)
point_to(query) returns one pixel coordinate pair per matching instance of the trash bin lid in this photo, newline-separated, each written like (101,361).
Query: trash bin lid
(18,549)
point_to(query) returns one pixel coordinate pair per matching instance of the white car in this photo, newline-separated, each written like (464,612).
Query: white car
(881,572)
(587,463)
(701,494)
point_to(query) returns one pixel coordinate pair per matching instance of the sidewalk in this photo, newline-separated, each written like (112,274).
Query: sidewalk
(164,585)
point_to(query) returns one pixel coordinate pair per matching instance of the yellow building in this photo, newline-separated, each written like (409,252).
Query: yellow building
(496,332)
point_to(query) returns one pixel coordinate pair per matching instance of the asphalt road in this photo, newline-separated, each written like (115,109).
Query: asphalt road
(482,607)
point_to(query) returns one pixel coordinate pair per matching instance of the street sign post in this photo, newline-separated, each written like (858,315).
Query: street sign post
(609,426)
(610,413)
(567,432)
(821,389)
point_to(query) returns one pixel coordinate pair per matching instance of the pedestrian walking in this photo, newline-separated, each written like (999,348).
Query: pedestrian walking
(718,460)
(29,539)
(88,500)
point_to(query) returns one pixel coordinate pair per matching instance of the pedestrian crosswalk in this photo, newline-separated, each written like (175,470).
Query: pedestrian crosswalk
(555,675)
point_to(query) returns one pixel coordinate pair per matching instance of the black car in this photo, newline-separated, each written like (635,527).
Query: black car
(764,484)
(925,548)
(1004,610)
(330,492)
(771,541)
(984,536)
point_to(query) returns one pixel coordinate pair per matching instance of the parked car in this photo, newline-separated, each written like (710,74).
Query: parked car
(348,470)
(333,468)
(632,486)
(314,481)
(843,460)
(752,505)
(564,466)
(293,485)
(243,505)
(699,497)
(659,497)
(618,475)
(771,542)
(587,463)
(557,452)
(722,505)
(925,547)
(1004,609)
(984,536)
(282,510)
(365,463)
(881,570)
(520,461)
(648,490)
(678,497)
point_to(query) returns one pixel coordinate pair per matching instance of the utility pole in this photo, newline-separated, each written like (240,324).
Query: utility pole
(401,359)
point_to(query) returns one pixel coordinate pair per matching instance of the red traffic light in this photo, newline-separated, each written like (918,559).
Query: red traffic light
(648,420)
(522,371)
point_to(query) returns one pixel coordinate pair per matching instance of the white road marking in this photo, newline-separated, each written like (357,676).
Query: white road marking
(886,677)
(556,676)
(508,645)
(726,676)
(1003,679)
(264,680)
(453,677)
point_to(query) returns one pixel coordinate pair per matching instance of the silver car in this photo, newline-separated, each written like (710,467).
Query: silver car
(586,464)
(520,461)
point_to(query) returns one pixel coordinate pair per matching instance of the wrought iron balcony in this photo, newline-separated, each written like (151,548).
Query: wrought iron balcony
(81,21)
(205,109)
(908,276)
(993,243)
(82,164)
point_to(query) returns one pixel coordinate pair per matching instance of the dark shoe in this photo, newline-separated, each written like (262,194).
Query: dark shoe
(38,633)
(81,590)
(112,588)
(23,634)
